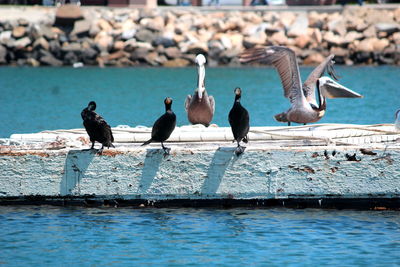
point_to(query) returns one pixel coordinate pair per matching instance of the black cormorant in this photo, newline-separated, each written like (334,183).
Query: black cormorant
(96,127)
(239,121)
(164,126)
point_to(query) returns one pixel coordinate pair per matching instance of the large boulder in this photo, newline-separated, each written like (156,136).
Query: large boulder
(163,41)
(380,44)
(41,43)
(172,52)
(18,32)
(71,47)
(70,58)
(314,59)
(370,32)
(153,24)
(177,62)
(299,27)
(352,36)
(89,54)
(139,54)
(103,41)
(5,37)
(387,27)
(337,26)
(81,28)
(46,31)
(278,38)
(50,60)
(196,48)
(333,39)
(302,41)
(365,45)
(258,38)
(21,43)
(128,34)
(104,25)
(145,35)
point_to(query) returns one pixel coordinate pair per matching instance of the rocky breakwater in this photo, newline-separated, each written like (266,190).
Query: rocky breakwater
(172,38)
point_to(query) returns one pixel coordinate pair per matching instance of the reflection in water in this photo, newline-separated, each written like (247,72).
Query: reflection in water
(102,236)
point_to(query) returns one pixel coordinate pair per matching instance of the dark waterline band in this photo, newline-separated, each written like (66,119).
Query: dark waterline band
(297,203)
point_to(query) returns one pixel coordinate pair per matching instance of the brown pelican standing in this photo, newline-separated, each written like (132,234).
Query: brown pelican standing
(163,126)
(304,107)
(96,127)
(397,121)
(200,107)
(239,121)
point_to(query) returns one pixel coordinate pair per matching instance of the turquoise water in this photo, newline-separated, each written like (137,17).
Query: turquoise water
(52,236)
(36,99)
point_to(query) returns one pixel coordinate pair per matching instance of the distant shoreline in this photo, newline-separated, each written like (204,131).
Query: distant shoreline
(172,36)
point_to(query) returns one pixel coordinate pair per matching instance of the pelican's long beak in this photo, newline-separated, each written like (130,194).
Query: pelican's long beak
(331,89)
(200,85)
(201,60)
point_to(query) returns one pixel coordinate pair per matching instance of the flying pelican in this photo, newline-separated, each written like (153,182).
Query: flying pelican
(96,127)
(304,107)
(200,107)
(239,121)
(163,126)
(397,121)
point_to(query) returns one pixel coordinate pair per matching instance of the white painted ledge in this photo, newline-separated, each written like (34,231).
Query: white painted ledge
(197,171)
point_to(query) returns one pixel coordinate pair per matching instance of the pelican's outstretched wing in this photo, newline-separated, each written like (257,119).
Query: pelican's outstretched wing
(284,60)
(309,84)
(187,102)
(331,89)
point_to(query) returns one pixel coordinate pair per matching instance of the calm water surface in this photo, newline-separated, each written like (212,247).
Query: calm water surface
(36,99)
(52,236)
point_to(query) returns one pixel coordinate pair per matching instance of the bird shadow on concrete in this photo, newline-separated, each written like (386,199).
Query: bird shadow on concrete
(220,161)
(150,169)
(76,164)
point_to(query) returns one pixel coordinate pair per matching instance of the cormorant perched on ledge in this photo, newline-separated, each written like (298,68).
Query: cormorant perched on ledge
(239,121)
(96,127)
(164,126)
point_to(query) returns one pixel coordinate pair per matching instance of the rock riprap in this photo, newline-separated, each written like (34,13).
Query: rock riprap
(172,38)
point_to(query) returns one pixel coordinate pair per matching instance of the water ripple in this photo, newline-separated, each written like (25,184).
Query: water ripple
(86,237)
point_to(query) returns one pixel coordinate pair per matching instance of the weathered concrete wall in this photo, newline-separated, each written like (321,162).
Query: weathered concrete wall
(207,172)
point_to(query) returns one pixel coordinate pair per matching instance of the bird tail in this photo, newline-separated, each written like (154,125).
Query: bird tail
(281,117)
(147,142)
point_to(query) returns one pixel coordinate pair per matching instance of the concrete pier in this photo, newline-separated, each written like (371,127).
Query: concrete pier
(328,166)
